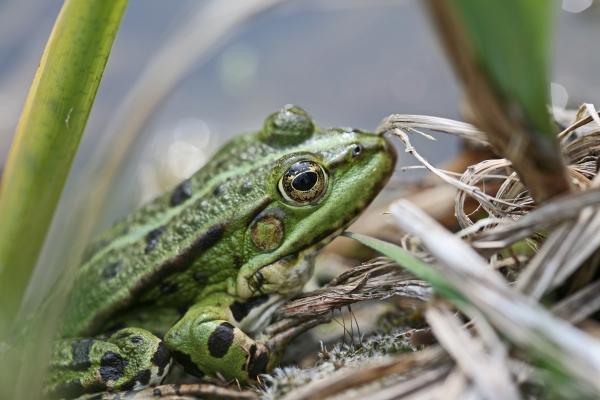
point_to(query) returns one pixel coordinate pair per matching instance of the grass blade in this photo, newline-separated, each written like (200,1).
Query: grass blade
(512,41)
(47,137)
(500,51)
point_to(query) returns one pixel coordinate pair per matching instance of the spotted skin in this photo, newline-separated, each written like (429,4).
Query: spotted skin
(190,266)
(129,359)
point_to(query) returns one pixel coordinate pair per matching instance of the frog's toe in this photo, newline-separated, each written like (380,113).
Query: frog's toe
(129,359)
(258,360)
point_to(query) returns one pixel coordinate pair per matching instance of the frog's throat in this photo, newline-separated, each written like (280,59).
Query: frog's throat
(288,274)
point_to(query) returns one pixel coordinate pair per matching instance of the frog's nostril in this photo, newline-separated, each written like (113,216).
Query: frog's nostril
(356,150)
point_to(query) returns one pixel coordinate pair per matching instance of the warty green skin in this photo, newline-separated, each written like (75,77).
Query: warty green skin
(189,265)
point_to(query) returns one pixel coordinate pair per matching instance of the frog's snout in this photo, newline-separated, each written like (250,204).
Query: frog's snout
(390,149)
(381,147)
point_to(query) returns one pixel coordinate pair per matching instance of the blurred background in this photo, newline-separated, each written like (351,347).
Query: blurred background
(347,62)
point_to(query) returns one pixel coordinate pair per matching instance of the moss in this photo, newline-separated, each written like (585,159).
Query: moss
(286,379)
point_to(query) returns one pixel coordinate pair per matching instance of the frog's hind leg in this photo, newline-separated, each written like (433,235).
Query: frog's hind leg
(131,358)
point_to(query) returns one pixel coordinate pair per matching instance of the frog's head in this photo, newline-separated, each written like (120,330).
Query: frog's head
(322,181)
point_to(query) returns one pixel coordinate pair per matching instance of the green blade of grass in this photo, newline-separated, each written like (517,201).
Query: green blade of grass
(47,137)
(512,42)
(500,51)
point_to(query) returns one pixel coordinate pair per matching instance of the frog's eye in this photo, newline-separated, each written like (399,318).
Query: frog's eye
(303,183)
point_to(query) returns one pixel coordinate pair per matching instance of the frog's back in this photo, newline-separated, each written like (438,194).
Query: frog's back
(167,235)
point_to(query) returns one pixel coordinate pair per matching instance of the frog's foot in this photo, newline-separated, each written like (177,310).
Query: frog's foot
(217,347)
(129,359)
(203,344)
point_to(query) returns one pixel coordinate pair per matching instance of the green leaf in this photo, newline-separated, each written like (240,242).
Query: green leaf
(47,137)
(511,39)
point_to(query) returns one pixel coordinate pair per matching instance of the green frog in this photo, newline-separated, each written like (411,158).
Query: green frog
(192,274)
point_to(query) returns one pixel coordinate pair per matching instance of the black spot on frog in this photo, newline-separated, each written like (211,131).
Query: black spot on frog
(218,191)
(168,287)
(181,193)
(186,362)
(143,377)
(80,351)
(220,340)
(112,366)
(161,358)
(257,364)
(152,238)
(199,277)
(246,187)
(241,310)
(112,269)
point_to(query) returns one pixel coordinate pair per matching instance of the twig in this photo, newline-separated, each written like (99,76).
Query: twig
(473,191)
(184,391)
(548,215)
(408,123)
(488,372)
(577,124)
(376,280)
(579,305)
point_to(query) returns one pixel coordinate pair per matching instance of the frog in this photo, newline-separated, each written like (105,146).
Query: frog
(184,278)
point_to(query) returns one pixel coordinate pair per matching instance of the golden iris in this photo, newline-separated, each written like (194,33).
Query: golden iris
(303,183)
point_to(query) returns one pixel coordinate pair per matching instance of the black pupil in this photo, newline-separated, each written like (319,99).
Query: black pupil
(305,181)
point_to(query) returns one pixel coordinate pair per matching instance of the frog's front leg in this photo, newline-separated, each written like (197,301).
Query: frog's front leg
(205,341)
(131,358)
